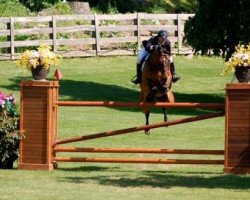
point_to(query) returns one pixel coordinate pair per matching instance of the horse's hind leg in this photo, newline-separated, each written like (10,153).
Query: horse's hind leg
(147,131)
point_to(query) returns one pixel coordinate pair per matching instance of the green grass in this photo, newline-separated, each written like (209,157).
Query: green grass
(108,79)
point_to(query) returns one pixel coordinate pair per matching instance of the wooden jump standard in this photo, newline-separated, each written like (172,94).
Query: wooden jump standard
(38,121)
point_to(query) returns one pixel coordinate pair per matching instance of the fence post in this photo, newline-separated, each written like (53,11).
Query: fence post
(97,35)
(237,141)
(38,123)
(54,33)
(179,31)
(138,23)
(12,38)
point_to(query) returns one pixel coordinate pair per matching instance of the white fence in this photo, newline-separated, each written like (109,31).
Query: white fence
(89,35)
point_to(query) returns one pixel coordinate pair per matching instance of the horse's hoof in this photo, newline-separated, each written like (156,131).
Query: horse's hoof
(147,132)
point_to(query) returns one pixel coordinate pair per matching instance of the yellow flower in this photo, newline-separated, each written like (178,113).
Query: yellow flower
(239,59)
(42,57)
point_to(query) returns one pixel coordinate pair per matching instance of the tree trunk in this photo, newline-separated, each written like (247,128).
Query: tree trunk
(80,7)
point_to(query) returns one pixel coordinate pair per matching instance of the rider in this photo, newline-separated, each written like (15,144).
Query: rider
(159,40)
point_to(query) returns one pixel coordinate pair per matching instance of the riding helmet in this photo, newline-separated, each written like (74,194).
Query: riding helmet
(162,33)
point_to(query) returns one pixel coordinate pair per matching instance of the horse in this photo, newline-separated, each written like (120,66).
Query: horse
(156,81)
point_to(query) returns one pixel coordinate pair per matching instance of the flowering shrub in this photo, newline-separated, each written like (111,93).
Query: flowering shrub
(239,59)
(8,104)
(42,57)
(9,130)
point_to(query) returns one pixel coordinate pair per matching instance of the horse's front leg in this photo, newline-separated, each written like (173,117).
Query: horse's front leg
(147,131)
(164,110)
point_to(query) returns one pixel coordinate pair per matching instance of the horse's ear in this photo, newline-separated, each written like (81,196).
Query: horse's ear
(166,52)
(160,49)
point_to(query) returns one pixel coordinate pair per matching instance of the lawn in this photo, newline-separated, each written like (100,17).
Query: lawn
(108,79)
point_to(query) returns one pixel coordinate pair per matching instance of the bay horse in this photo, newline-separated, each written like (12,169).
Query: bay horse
(156,81)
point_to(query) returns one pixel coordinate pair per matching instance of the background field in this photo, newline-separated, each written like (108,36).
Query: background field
(108,78)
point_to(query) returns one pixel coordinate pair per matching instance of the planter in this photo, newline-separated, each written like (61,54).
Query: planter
(237,140)
(39,73)
(242,74)
(8,164)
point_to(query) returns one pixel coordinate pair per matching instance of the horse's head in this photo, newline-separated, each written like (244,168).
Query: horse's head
(160,56)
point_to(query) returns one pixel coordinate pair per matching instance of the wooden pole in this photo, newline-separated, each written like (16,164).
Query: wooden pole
(219,106)
(139,160)
(139,150)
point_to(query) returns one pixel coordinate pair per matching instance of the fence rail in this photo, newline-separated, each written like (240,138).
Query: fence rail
(89,35)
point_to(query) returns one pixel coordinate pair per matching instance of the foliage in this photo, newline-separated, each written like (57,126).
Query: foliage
(151,6)
(42,57)
(239,59)
(9,130)
(59,8)
(219,26)
(168,6)
(37,5)
(12,8)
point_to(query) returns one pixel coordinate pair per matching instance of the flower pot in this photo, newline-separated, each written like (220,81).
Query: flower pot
(8,164)
(242,74)
(40,73)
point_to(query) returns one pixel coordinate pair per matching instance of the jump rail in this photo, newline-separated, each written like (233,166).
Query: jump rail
(220,106)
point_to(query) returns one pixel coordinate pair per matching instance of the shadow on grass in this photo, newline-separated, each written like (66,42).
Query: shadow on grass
(92,91)
(161,179)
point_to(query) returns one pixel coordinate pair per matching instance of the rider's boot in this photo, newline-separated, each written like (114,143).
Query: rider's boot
(175,76)
(137,79)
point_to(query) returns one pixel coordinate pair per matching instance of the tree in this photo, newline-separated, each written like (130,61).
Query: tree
(37,5)
(218,26)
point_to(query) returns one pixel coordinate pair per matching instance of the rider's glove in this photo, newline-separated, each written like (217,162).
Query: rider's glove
(154,47)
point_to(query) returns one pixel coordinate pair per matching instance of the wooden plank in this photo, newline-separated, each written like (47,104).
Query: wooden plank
(76,41)
(239,131)
(138,160)
(239,146)
(117,17)
(4,33)
(79,28)
(33,31)
(32,43)
(5,19)
(156,28)
(139,150)
(117,28)
(117,40)
(5,44)
(116,52)
(78,53)
(158,16)
(75,17)
(39,19)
